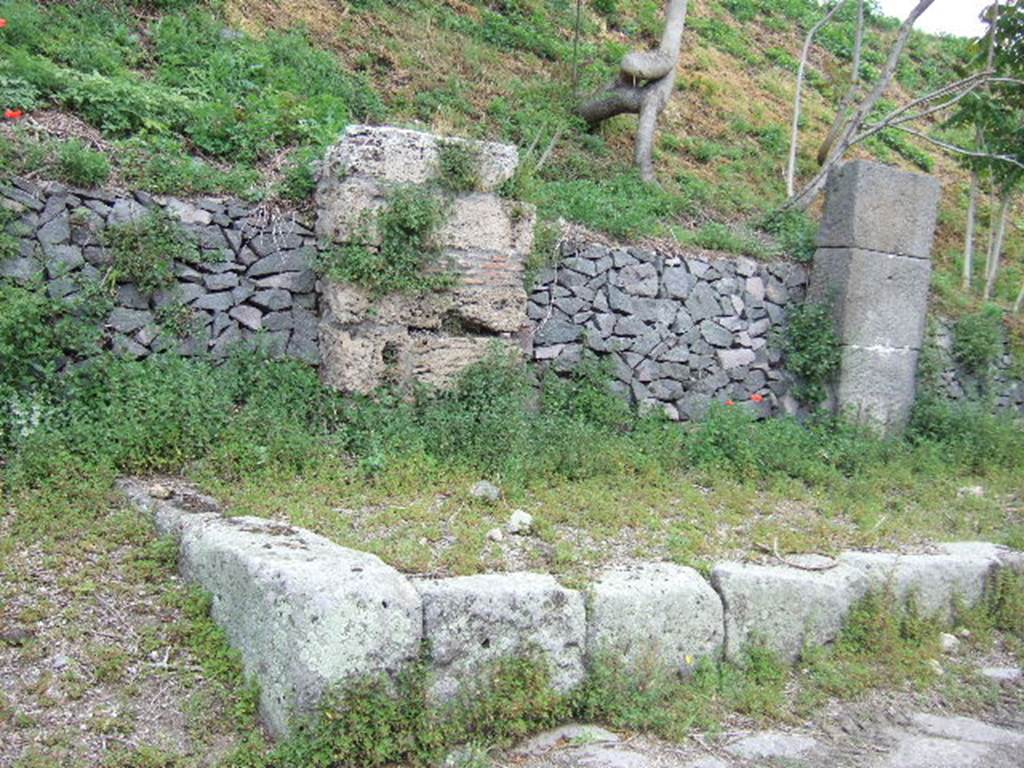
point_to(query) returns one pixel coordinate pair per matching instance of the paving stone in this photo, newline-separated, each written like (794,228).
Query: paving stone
(773,745)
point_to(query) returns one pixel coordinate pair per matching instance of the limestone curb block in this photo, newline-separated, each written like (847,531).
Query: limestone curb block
(305,613)
(473,621)
(958,570)
(782,607)
(654,609)
(168,519)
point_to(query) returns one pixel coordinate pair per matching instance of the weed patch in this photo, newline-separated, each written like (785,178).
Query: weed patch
(144,251)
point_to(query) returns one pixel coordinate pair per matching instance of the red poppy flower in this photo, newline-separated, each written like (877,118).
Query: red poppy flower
(13,114)
(729,402)
(757,398)
(3,23)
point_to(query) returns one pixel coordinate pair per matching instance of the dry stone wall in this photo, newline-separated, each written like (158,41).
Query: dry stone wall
(1002,384)
(680,331)
(254,283)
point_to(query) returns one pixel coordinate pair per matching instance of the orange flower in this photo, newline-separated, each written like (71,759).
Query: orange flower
(729,402)
(757,398)
(13,114)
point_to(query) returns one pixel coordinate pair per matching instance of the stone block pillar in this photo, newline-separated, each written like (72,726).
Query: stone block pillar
(873,264)
(367,341)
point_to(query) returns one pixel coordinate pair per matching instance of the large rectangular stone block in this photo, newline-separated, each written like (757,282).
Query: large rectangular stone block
(654,612)
(471,622)
(880,208)
(402,156)
(304,613)
(784,608)
(957,571)
(877,299)
(877,386)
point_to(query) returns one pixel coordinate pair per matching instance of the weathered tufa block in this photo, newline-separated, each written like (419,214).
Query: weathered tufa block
(878,300)
(654,611)
(784,608)
(472,622)
(880,208)
(304,613)
(956,572)
(484,239)
(402,156)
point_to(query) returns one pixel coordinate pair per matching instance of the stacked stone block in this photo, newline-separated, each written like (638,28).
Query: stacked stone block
(680,331)
(254,284)
(368,341)
(874,265)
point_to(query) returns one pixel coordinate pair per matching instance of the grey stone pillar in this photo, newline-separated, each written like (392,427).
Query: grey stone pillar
(874,264)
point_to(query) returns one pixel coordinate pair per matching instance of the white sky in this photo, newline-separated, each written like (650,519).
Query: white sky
(954,17)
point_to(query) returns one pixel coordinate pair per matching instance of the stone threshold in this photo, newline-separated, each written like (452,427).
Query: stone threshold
(307,614)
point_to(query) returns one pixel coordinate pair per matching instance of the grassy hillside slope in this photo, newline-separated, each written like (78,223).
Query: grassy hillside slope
(240,95)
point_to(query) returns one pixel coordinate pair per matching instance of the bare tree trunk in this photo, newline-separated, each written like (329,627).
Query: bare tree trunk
(845,136)
(858,45)
(972,206)
(972,211)
(997,245)
(644,87)
(1019,303)
(794,136)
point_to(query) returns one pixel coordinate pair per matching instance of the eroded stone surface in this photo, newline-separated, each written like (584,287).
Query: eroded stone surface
(782,607)
(303,612)
(955,571)
(654,611)
(472,622)
(773,745)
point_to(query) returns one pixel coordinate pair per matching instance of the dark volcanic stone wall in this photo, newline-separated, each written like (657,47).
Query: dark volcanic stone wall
(255,283)
(681,331)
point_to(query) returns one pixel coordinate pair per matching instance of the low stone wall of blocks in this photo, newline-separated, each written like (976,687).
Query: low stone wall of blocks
(308,615)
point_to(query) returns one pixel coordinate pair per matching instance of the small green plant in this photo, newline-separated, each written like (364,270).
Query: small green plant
(407,260)
(458,167)
(8,243)
(978,340)
(144,251)
(885,641)
(375,722)
(795,231)
(82,166)
(812,350)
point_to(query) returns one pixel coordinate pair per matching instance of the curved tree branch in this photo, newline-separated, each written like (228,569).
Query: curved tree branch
(644,86)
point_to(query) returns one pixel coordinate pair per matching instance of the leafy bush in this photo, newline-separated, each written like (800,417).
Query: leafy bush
(82,166)
(144,251)
(812,349)
(795,231)
(978,340)
(407,258)
(459,167)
